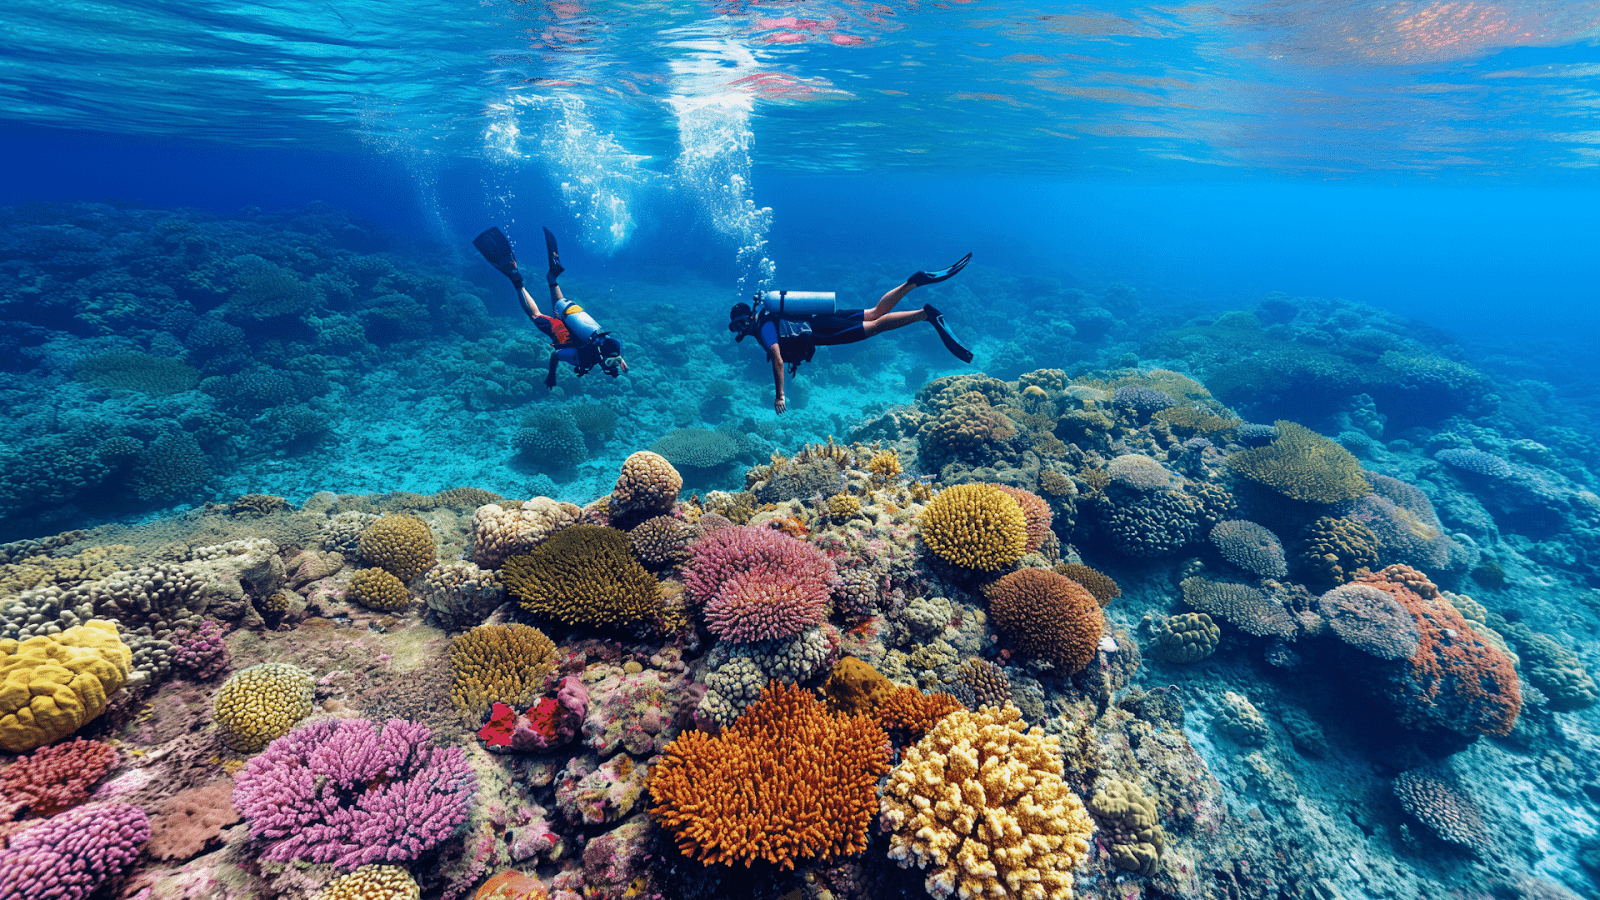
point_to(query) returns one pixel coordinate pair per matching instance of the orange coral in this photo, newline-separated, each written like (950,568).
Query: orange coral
(1459,679)
(910,714)
(785,782)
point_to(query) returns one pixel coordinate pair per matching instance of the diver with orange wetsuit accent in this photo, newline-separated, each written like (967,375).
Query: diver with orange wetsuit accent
(576,336)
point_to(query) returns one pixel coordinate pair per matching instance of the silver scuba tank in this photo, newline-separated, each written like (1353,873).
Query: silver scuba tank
(581,324)
(797,304)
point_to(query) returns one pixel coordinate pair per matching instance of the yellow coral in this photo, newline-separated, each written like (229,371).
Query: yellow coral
(1303,465)
(975,526)
(843,507)
(979,805)
(1132,827)
(508,663)
(373,882)
(400,544)
(585,575)
(883,466)
(261,703)
(51,685)
(377,589)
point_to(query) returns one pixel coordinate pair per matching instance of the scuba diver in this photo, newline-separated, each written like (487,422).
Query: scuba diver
(577,337)
(793,331)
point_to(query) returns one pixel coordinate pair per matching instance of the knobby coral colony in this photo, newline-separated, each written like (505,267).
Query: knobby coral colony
(735,677)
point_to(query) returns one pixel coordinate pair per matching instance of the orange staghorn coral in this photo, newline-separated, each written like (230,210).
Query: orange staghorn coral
(1456,679)
(909,713)
(785,782)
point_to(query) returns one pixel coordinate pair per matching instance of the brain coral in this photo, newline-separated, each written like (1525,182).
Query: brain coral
(1035,510)
(979,804)
(1102,586)
(758,584)
(1241,605)
(376,589)
(1251,547)
(499,663)
(502,531)
(1184,638)
(373,882)
(261,703)
(1303,465)
(585,575)
(1456,679)
(1335,549)
(1370,620)
(1048,616)
(50,685)
(648,484)
(975,526)
(786,782)
(400,544)
(970,430)
(1130,826)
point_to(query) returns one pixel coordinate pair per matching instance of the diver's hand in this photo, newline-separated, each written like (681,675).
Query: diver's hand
(918,279)
(779,405)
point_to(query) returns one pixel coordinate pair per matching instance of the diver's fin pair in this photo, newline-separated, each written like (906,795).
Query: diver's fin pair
(956,348)
(497,250)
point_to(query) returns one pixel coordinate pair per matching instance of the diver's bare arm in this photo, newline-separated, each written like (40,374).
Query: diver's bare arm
(777,378)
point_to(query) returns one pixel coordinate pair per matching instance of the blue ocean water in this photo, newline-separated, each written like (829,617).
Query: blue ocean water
(236,259)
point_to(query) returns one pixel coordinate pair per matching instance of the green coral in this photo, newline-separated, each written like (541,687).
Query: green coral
(260,704)
(1184,638)
(1130,826)
(1303,465)
(584,575)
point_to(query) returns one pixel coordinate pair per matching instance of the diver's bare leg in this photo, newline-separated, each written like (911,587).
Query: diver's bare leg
(886,304)
(892,321)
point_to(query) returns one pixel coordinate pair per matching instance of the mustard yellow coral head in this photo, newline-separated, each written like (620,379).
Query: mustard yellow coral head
(975,526)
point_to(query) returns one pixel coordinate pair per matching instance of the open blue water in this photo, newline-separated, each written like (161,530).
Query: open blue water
(1354,177)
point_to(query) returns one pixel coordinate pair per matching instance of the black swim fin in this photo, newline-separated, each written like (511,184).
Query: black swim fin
(918,279)
(958,349)
(497,250)
(555,258)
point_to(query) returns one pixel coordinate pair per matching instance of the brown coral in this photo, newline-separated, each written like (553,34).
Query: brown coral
(585,575)
(855,688)
(400,544)
(785,782)
(377,589)
(909,714)
(504,663)
(1335,549)
(1303,465)
(1048,616)
(1102,586)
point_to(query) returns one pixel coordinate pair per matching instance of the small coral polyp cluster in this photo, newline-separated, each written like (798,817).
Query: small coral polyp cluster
(933,660)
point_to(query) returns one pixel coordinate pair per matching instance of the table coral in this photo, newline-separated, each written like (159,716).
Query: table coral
(499,663)
(1048,616)
(1303,465)
(786,782)
(584,575)
(975,526)
(758,584)
(51,685)
(263,702)
(1444,808)
(979,804)
(1240,605)
(68,856)
(1370,620)
(344,792)
(402,545)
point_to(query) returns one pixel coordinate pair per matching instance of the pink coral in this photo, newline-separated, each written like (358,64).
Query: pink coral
(53,778)
(66,857)
(342,792)
(550,722)
(192,820)
(758,584)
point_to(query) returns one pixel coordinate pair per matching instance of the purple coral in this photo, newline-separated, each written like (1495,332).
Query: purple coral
(67,856)
(340,791)
(201,652)
(758,584)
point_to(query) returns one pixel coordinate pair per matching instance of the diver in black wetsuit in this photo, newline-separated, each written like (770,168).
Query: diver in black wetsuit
(790,341)
(577,338)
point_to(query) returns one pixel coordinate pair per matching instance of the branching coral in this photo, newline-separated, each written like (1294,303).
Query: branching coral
(975,526)
(585,575)
(1048,616)
(758,584)
(499,663)
(787,782)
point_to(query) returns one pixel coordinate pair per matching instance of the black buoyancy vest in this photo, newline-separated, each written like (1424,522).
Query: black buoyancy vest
(795,343)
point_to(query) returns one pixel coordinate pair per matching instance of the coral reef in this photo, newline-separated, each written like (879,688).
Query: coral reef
(51,685)
(401,545)
(378,589)
(757,584)
(506,664)
(1048,617)
(68,856)
(261,703)
(1303,465)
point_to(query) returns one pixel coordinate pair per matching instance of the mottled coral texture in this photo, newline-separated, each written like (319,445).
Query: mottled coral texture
(647,485)
(1048,616)
(1456,679)
(345,792)
(758,584)
(1303,465)
(786,782)
(68,856)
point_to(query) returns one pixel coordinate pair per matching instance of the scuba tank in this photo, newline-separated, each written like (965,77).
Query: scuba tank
(581,324)
(796,304)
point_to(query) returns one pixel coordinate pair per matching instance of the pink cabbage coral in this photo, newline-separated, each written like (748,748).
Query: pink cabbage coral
(758,584)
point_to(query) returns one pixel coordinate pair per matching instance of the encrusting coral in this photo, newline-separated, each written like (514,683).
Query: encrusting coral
(975,526)
(979,805)
(786,782)
(585,575)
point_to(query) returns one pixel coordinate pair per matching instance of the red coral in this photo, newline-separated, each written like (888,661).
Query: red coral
(1456,679)
(54,778)
(550,722)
